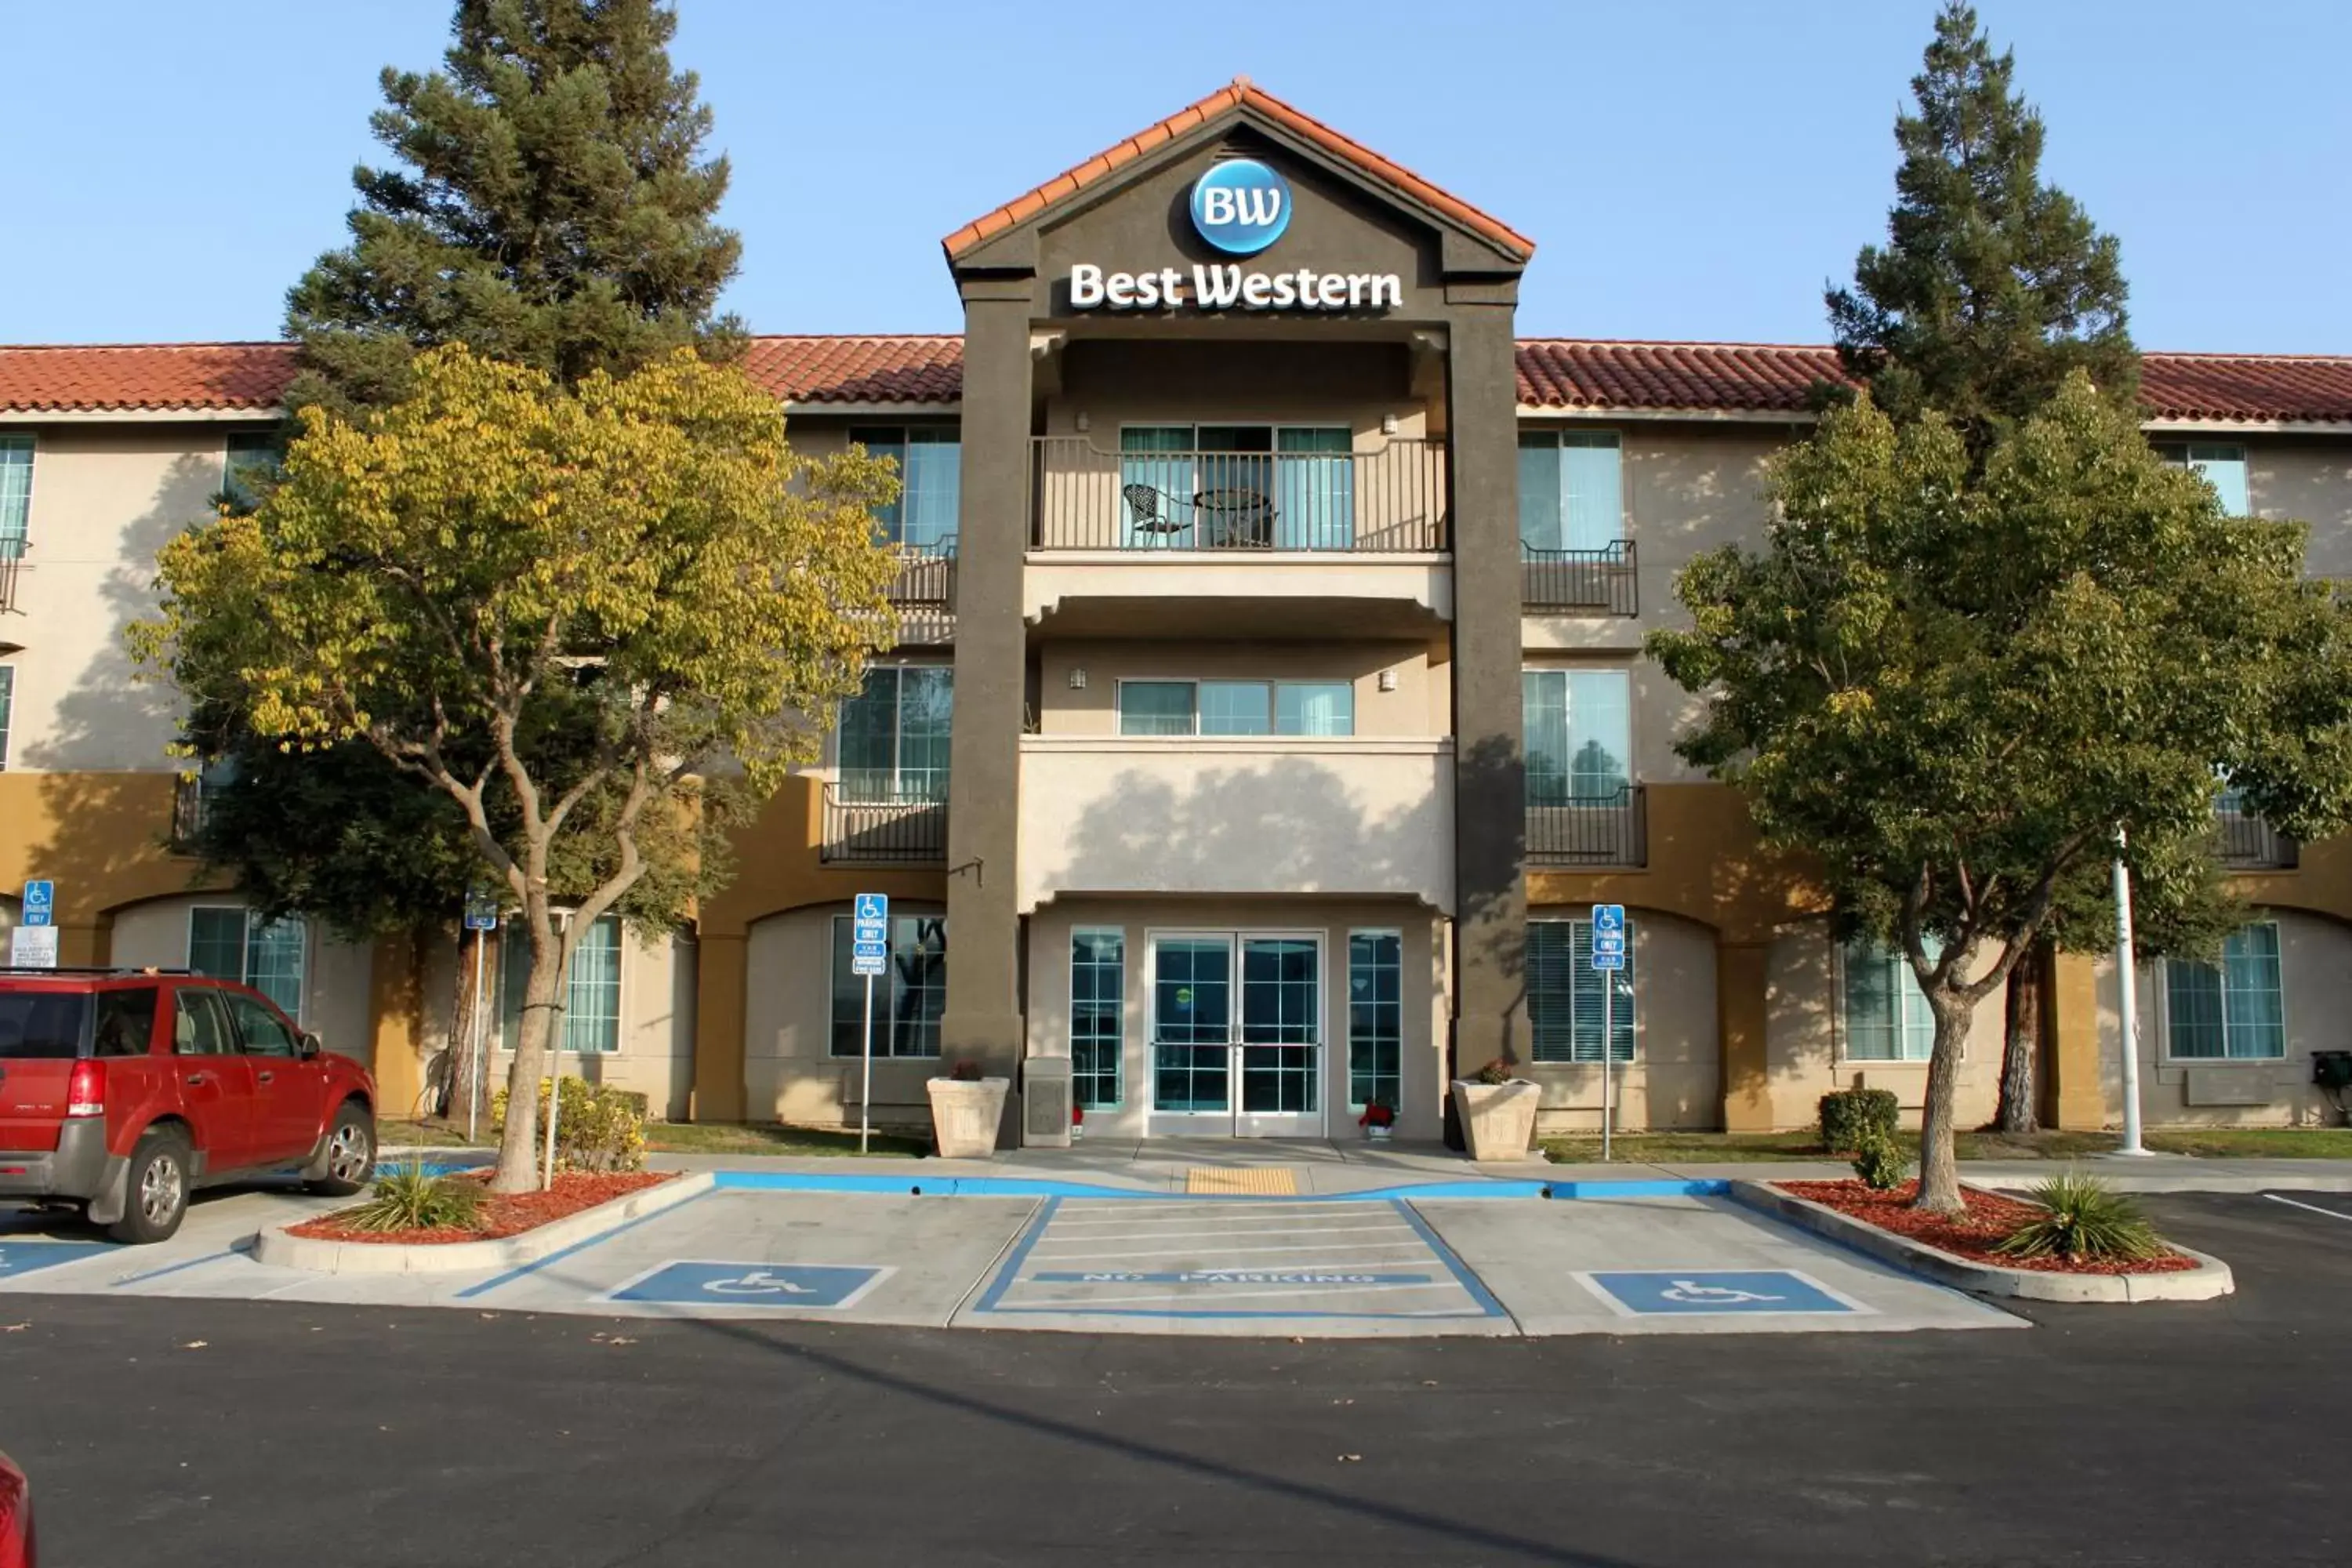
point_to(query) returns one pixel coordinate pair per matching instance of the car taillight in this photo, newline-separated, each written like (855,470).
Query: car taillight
(86,1090)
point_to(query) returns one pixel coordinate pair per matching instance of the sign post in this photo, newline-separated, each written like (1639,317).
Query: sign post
(1608,958)
(870,957)
(34,943)
(481,919)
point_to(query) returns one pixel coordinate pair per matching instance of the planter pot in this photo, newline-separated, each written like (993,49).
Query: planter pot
(1498,1120)
(965,1115)
(1378,1134)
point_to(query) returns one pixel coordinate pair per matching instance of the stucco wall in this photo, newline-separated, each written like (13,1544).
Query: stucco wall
(335,974)
(1675,1079)
(656,1054)
(789,1071)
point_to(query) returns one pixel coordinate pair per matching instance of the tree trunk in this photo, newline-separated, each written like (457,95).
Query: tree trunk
(519,1164)
(1940,1177)
(2021,1044)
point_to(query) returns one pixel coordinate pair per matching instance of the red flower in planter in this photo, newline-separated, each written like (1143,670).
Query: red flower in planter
(1378,1113)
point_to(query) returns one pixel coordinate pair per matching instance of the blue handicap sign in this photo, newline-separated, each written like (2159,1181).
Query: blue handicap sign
(1608,918)
(1669,1292)
(873,907)
(790,1286)
(40,903)
(24,1256)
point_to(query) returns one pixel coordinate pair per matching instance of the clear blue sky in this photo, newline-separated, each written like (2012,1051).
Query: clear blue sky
(1689,168)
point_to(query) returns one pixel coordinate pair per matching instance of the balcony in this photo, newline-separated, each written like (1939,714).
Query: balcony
(2249,844)
(1580,581)
(190,803)
(1236,815)
(926,579)
(902,832)
(1600,830)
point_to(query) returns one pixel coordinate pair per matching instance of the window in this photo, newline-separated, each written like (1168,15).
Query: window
(1579,735)
(1375,1018)
(1564,995)
(200,1024)
(126,1022)
(1237,708)
(907,1001)
(1097,1014)
(2220,465)
(592,990)
(7,704)
(2231,1011)
(15,492)
(263,1034)
(1887,1014)
(1571,490)
(930,481)
(250,464)
(894,734)
(1287,487)
(42,1025)
(239,945)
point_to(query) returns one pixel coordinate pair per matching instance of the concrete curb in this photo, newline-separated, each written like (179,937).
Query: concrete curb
(2210,1279)
(274,1246)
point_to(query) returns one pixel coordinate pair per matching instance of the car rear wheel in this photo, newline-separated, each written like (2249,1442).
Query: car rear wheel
(157,1198)
(350,1153)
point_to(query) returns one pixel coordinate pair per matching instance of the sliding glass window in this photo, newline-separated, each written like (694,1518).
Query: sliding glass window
(1579,735)
(1237,708)
(893,742)
(930,480)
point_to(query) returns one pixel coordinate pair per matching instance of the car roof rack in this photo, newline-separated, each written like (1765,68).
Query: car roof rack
(111,971)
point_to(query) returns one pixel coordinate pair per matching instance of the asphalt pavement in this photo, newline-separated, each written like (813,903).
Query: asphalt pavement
(207,1432)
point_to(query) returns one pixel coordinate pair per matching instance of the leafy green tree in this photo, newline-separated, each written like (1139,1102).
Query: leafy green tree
(554,209)
(1949,695)
(641,564)
(1992,286)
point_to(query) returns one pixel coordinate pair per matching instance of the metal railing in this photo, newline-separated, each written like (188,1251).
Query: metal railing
(2249,844)
(1389,501)
(190,805)
(926,575)
(1602,580)
(903,832)
(1611,829)
(12,560)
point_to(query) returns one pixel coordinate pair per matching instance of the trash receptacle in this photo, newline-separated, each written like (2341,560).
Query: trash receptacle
(1046,1103)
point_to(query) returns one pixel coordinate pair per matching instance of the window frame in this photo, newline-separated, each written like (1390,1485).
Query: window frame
(1537,437)
(1117,1037)
(897,769)
(885,1015)
(1624,989)
(1273,684)
(510,929)
(1375,934)
(891,526)
(251,923)
(1630,774)
(2189,454)
(7,710)
(1236,1039)
(251,441)
(2170,1056)
(29,443)
(1905,991)
(1273,455)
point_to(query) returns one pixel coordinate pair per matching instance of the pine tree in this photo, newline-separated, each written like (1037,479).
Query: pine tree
(1993,284)
(555,210)
(1992,287)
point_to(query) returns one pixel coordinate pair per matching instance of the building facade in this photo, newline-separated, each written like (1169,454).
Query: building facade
(1269,708)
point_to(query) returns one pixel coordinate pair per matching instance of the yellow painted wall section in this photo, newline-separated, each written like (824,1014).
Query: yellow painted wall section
(395,1007)
(2070,1097)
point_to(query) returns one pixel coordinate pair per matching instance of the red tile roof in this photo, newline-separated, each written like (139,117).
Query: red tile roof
(45,378)
(1564,373)
(1236,93)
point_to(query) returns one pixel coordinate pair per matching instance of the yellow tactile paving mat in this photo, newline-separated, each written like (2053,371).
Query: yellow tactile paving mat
(1265,1181)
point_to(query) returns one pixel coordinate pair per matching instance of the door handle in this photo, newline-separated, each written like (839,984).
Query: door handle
(268,1078)
(199,1076)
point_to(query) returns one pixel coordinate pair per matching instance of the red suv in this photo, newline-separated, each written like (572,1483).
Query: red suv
(121,1089)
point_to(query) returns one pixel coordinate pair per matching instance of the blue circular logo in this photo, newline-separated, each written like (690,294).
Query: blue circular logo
(1241,206)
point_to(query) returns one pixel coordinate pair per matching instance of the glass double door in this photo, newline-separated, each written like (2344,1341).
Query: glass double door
(1237,1034)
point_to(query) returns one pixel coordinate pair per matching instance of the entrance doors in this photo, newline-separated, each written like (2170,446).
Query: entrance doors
(1237,1033)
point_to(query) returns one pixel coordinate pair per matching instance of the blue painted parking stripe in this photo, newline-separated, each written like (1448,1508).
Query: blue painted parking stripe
(242,1247)
(1469,1283)
(1012,1269)
(602,1236)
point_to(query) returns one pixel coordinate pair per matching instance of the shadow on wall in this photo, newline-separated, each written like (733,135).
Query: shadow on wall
(107,778)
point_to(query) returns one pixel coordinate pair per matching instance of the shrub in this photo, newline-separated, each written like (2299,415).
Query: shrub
(1847,1114)
(2082,1217)
(598,1129)
(406,1198)
(1497,1071)
(1880,1161)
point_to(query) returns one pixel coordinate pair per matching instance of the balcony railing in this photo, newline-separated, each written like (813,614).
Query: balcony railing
(903,832)
(926,575)
(1602,581)
(189,805)
(1611,830)
(2249,844)
(12,561)
(1389,501)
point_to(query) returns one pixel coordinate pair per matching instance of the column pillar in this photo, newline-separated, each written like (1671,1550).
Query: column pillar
(1489,789)
(720,974)
(2073,1097)
(1742,993)
(982,1018)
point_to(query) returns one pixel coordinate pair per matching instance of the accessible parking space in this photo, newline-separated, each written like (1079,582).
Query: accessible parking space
(1235,1266)
(36,1245)
(1683,1265)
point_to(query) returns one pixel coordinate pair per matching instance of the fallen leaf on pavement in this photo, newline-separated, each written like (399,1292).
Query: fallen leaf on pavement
(196,1344)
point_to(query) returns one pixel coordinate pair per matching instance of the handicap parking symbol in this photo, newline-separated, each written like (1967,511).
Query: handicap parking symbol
(1669,1292)
(793,1287)
(23,1256)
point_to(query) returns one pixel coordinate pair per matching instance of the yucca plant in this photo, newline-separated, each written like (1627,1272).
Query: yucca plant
(407,1198)
(2082,1217)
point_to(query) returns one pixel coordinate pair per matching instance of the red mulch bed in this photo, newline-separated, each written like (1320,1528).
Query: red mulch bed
(1989,1219)
(503,1214)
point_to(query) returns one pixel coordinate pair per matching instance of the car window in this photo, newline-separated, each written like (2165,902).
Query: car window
(126,1022)
(42,1024)
(264,1035)
(199,1027)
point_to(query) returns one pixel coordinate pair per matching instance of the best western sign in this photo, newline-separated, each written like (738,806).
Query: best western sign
(1240,207)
